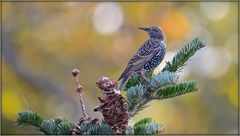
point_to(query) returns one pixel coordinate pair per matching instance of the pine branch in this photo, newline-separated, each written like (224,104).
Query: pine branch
(56,126)
(65,127)
(129,131)
(85,126)
(142,122)
(101,128)
(150,129)
(147,127)
(138,96)
(175,90)
(134,96)
(180,59)
(29,118)
(142,105)
(164,78)
(171,90)
(49,127)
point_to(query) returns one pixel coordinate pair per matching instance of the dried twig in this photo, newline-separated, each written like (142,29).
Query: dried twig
(79,90)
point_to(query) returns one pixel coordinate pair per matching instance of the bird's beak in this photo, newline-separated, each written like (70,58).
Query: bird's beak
(144,28)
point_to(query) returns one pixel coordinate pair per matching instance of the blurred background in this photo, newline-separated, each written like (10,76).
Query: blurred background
(44,41)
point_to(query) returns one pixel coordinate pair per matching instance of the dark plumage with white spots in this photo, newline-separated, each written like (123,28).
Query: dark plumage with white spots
(148,56)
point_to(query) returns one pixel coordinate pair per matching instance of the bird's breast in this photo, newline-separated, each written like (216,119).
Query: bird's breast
(155,60)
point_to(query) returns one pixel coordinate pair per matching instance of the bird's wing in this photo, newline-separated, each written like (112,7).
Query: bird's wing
(140,58)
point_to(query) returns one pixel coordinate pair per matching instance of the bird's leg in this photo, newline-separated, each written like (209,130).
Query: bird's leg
(146,80)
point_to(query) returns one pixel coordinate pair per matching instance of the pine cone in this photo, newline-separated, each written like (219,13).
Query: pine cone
(113,105)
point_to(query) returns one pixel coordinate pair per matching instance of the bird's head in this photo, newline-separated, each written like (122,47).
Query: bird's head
(154,32)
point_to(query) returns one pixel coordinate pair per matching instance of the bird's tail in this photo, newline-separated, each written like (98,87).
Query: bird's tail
(124,81)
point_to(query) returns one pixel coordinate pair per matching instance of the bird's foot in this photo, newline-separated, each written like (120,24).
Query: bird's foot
(146,81)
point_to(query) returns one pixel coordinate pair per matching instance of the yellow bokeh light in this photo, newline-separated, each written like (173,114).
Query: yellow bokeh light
(233,94)
(176,25)
(12,104)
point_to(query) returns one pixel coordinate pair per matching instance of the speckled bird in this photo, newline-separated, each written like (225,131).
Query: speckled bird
(148,56)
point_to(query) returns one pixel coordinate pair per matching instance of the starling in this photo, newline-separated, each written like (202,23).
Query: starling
(147,57)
